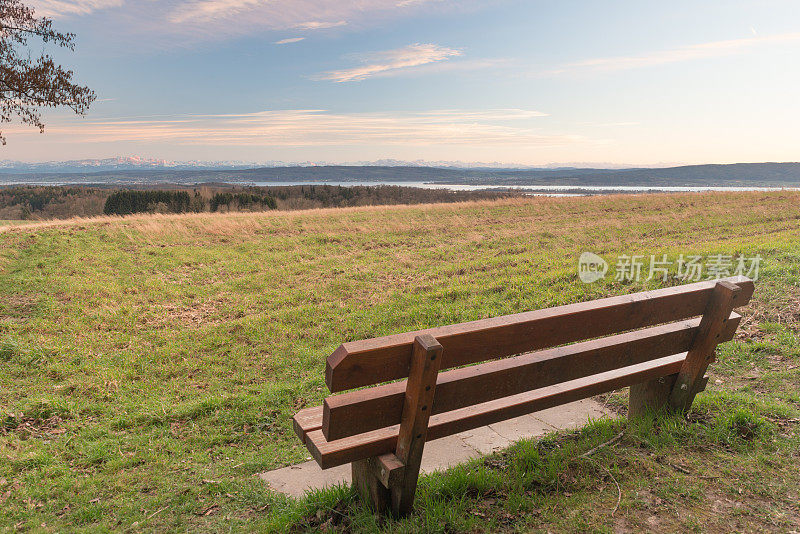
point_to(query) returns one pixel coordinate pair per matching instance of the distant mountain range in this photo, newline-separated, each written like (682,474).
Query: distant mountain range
(122,163)
(121,171)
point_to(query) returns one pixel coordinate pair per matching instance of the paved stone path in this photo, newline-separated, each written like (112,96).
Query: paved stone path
(442,453)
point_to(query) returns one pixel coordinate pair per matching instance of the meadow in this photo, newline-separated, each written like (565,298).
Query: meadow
(151,364)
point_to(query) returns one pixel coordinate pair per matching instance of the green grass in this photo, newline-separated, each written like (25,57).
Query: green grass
(151,365)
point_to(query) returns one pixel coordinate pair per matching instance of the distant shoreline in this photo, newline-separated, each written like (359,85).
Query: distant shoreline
(525,189)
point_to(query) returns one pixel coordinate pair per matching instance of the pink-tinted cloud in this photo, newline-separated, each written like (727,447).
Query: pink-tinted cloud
(320,24)
(58,8)
(187,22)
(285,14)
(289,40)
(302,128)
(390,61)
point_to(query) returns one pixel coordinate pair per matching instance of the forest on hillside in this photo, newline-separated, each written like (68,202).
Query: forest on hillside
(56,202)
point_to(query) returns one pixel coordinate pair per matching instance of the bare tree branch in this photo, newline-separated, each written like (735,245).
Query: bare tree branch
(26,83)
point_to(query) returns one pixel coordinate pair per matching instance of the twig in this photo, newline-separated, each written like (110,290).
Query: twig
(607,443)
(619,489)
(602,408)
(588,454)
(151,516)
(681,469)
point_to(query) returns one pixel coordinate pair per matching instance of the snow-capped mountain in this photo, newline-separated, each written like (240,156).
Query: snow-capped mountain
(121,163)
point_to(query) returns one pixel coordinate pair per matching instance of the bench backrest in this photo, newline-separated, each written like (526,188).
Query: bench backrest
(372,361)
(580,349)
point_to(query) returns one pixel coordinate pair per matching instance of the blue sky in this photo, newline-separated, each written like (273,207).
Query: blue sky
(529,82)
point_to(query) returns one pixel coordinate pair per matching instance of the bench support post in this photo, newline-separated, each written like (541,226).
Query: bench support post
(369,486)
(389,482)
(690,378)
(414,422)
(652,397)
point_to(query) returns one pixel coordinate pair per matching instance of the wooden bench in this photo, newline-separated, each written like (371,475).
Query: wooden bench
(658,342)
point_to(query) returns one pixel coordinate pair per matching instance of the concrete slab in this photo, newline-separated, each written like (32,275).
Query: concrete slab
(446,452)
(572,415)
(483,440)
(296,480)
(527,426)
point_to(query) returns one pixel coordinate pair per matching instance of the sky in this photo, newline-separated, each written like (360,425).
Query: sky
(517,82)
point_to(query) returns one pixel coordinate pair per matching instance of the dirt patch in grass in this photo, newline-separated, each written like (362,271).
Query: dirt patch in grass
(782,309)
(22,304)
(334,519)
(28,427)
(194,315)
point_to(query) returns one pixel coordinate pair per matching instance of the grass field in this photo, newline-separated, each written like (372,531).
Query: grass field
(151,365)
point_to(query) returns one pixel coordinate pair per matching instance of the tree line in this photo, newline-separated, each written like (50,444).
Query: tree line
(49,202)
(128,202)
(44,202)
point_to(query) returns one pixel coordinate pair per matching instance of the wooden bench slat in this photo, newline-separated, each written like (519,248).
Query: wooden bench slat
(361,411)
(307,420)
(338,452)
(373,361)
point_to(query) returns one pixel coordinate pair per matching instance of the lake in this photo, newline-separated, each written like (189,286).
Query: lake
(544,190)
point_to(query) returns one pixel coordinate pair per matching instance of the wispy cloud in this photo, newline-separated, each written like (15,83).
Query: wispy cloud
(300,128)
(391,61)
(289,40)
(408,3)
(319,24)
(676,55)
(59,8)
(283,14)
(207,10)
(456,65)
(184,22)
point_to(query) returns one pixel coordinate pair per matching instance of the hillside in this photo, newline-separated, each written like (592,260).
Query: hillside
(152,364)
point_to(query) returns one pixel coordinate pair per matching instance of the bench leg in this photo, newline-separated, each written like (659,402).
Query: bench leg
(650,398)
(370,487)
